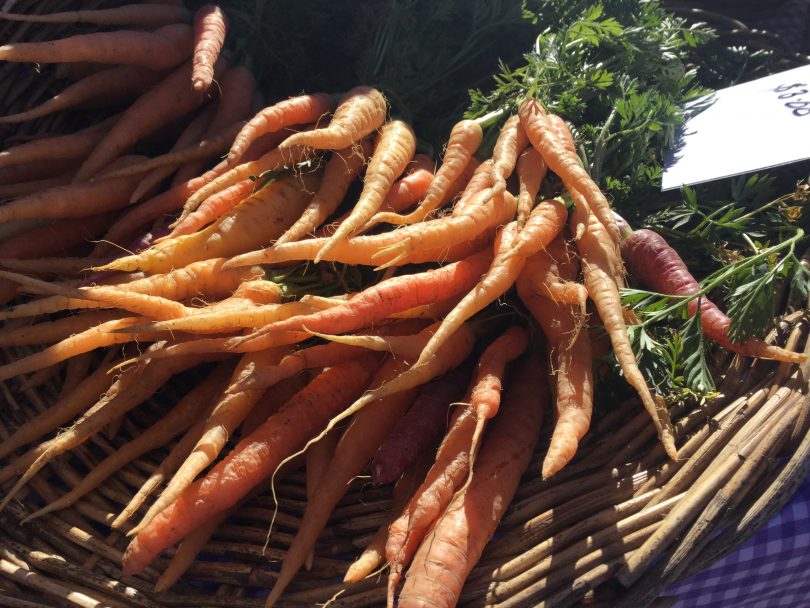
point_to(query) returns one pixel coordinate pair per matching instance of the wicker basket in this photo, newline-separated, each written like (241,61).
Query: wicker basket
(569,541)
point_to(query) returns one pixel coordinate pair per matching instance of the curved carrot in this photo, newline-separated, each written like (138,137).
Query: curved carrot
(341,170)
(543,224)
(530,170)
(480,180)
(596,249)
(107,88)
(158,106)
(210,29)
(465,137)
(394,149)
(148,15)
(158,50)
(304,109)
(359,113)
(544,269)
(511,141)
(254,458)
(213,207)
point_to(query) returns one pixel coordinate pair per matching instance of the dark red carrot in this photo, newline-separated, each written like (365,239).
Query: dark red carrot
(651,260)
(421,425)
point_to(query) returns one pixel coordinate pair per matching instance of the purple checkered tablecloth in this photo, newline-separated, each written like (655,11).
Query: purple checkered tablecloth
(771,570)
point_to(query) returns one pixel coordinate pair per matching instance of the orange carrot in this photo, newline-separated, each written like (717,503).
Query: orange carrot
(158,106)
(341,170)
(158,50)
(456,542)
(106,88)
(531,170)
(147,15)
(318,456)
(213,207)
(570,354)
(543,267)
(543,224)
(53,331)
(210,29)
(254,458)
(598,265)
(57,147)
(480,180)
(359,113)
(379,301)
(271,401)
(512,140)
(54,238)
(464,140)
(557,155)
(263,216)
(304,109)
(394,149)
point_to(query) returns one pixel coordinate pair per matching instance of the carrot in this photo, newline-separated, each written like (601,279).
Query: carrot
(57,266)
(254,458)
(230,410)
(235,105)
(57,147)
(543,224)
(54,238)
(304,109)
(191,134)
(210,29)
(148,15)
(174,422)
(544,270)
(394,149)
(107,88)
(341,170)
(569,351)
(465,137)
(418,428)
(35,171)
(558,156)
(53,331)
(158,50)
(361,111)
(651,260)
(271,401)
(511,141)
(66,407)
(480,180)
(157,107)
(318,456)
(273,160)
(379,301)
(501,275)
(212,208)
(434,240)
(455,544)
(531,170)
(259,218)
(35,186)
(598,266)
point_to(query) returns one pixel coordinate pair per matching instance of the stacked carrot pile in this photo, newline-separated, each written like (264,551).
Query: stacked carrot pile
(336,383)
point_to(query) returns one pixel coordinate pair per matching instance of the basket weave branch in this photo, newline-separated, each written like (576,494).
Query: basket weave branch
(616,527)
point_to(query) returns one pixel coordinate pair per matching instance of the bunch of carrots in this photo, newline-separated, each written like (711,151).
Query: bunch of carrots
(400,377)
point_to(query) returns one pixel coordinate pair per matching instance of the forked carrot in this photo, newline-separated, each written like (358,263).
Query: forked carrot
(465,137)
(254,458)
(544,269)
(304,109)
(455,544)
(210,29)
(158,50)
(598,265)
(148,15)
(359,113)
(530,170)
(393,150)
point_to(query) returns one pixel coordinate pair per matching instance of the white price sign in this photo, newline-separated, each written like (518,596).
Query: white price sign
(748,127)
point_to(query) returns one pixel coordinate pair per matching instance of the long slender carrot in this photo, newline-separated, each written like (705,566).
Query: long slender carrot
(341,170)
(53,331)
(394,149)
(598,265)
(158,106)
(58,266)
(455,544)
(480,180)
(261,217)
(148,15)
(530,170)
(212,208)
(73,145)
(174,422)
(304,109)
(318,456)
(54,238)
(511,141)
(158,50)
(210,29)
(272,401)
(543,224)
(393,295)
(359,113)
(570,354)
(254,458)
(108,87)
(465,137)
(34,186)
